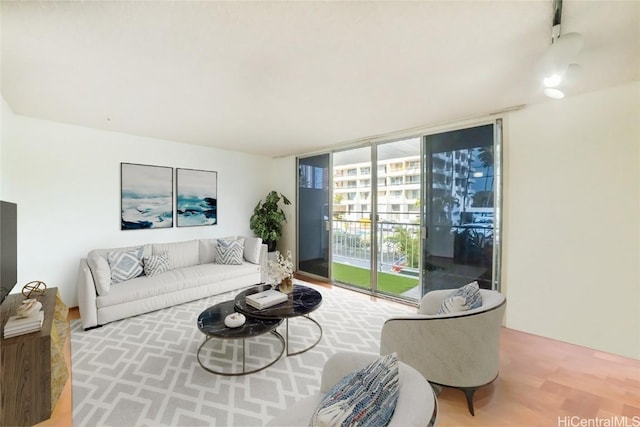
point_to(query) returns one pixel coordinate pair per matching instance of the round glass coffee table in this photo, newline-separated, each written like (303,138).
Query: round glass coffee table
(302,301)
(211,323)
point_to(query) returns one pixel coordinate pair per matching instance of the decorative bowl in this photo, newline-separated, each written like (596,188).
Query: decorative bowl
(234,320)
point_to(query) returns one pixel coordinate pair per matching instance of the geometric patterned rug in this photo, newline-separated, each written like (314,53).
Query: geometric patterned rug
(143,371)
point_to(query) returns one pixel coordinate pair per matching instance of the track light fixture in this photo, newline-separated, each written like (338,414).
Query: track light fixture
(558,61)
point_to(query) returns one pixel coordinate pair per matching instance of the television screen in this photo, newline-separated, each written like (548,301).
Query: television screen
(8,247)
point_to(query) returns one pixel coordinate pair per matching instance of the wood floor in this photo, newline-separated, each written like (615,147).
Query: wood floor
(542,382)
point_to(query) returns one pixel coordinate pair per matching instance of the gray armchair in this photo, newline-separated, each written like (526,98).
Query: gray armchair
(459,350)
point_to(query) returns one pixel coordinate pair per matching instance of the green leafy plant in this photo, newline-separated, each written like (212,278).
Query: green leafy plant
(268,218)
(408,244)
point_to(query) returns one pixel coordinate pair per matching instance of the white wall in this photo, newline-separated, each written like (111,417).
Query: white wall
(6,118)
(66,182)
(283,174)
(572,220)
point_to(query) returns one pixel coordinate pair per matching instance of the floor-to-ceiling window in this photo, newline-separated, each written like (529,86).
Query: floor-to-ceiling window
(411,215)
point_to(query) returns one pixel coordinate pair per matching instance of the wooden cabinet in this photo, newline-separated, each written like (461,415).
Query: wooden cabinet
(32,366)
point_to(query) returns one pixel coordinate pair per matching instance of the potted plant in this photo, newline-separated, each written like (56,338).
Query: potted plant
(268,218)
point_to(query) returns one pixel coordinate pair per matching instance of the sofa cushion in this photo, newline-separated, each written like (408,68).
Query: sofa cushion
(156,264)
(207,249)
(181,254)
(141,288)
(229,251)
(125,265)
(180,279)
(366,397)
(252,248)
(213,273)
(465,298)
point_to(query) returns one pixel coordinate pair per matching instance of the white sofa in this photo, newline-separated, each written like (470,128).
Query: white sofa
(193,274)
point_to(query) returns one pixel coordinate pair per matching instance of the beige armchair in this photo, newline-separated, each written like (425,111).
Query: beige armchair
(459,350)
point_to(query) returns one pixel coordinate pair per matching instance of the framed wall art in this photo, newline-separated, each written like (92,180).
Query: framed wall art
(197,197)
(146,196)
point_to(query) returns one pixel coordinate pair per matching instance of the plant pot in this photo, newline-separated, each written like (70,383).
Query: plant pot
(271,245)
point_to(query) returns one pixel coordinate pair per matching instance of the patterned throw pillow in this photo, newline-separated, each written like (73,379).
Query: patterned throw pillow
(156,264)
(366,397)
(465,298)
(125,265)
(229,252)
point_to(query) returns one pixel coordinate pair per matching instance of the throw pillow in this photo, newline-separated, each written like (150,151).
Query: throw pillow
(465,298)
(229,252)
(252,247)
(125,265)
(100,271)
(156,264)
(366,397)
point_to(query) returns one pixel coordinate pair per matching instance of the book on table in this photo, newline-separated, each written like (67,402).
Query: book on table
(266,299)
(17,325)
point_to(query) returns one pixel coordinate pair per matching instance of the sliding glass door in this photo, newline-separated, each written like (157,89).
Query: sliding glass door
(314,216)
(352,220)
(376,218)
(460,210)
(398,191)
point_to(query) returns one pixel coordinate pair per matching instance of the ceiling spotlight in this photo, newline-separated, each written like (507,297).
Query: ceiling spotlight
(558,57)
(563,51)
(552,80)
(554,93)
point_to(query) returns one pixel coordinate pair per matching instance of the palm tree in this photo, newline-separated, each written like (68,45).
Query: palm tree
(484,198)
(486,159)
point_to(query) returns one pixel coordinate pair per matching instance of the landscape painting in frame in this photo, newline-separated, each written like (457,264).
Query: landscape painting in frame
(146,196)
(197,201)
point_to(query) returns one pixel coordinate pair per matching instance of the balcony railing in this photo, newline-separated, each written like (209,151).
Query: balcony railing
(352,242)
(399,243)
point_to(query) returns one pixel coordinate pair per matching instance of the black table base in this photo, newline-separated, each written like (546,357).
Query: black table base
(211,324)
(244,370)
(290,353)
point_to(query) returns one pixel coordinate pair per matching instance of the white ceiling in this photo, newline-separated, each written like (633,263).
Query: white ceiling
(280,78)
